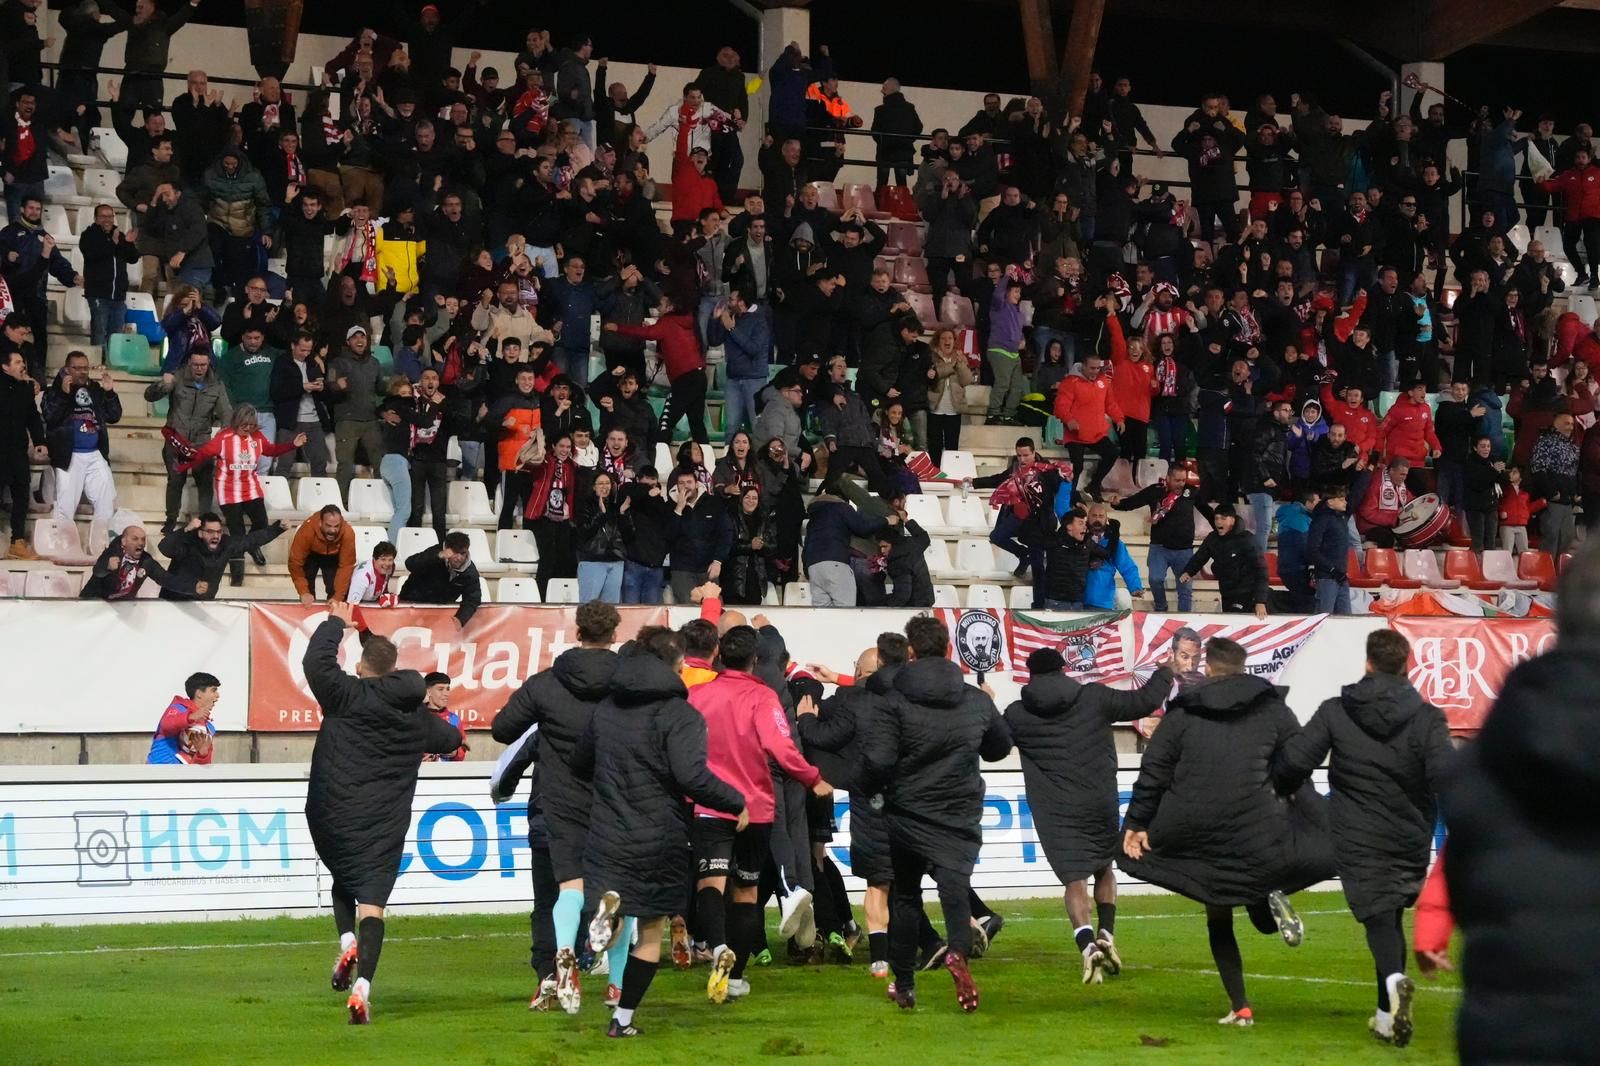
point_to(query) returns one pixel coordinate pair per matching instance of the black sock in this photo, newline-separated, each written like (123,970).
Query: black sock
(841,898)
(744,921)
(636,978)
(878,944)
(710,918)
(344,911)
(1106,914)
(1084,936)
(980,910)
(369,945)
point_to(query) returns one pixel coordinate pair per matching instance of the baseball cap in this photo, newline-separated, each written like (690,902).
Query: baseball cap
(353,330)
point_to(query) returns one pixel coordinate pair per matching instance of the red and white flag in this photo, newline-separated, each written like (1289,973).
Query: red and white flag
(1269,645)
(1091,646)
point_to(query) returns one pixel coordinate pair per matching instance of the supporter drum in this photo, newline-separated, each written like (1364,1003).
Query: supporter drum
(1422,521)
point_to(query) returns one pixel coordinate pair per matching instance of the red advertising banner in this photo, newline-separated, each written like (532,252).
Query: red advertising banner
(487,660)
(1459,664)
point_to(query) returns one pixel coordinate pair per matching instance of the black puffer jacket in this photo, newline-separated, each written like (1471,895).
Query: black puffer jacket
(561,701)
(1066,566)
(645,750)
(1062,730)
(374,734)
(925,761)
(1218,833)
(1236,560)
(1389,751)
(836,741)
(1523,865)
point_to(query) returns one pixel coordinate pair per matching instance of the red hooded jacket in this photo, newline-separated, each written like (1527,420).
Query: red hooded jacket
(1407,431)
(1132,383)
(1091,404)
(676,342)
(1360,424)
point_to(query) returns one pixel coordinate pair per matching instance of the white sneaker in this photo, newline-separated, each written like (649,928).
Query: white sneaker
(738,988)
(717,983)
(796,907)
(1108,948)
(545,997)
(1094,961)
(1244,1019)
(603,926)
(569,993)
(807,936)
(1401,991)
(1382,1028)
(1290,927)
(601,967)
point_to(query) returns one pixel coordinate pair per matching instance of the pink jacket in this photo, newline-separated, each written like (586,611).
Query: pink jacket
(745,726)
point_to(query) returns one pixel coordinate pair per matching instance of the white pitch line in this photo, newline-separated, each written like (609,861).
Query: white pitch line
(468,937)
(1254,976)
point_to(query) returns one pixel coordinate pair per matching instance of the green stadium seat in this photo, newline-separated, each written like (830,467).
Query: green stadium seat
(131,353)
(384,356)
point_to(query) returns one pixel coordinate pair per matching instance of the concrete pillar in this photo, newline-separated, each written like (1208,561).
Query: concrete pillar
(779,26)
(1431,73)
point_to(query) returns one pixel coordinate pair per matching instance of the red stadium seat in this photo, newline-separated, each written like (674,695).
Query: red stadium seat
(1459,535)
(1359,580)
(1561,564)
(899,202)
(1382,563)
(1538,566)
(1272,570)
(883,262)
(957,311)
(827,195)
(904,237)
(912,273)
(857,195)
(922,304)
(1462,565)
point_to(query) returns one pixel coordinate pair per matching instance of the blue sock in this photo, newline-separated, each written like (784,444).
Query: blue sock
(566,914)
(617,955)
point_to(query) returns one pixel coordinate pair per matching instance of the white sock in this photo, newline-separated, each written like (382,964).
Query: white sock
(362,988)
(1385,1022)
(345,940)
(623,1016)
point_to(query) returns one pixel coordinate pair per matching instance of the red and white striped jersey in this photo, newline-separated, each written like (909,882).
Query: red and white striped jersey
(1156,322)
(236,458)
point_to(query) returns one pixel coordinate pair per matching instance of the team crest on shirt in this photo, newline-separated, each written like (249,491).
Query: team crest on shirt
(978,641)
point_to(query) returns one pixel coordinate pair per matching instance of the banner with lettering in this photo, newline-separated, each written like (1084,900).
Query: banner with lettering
(1459,664)
(487,660)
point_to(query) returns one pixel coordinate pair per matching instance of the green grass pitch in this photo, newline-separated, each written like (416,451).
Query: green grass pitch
(455,989)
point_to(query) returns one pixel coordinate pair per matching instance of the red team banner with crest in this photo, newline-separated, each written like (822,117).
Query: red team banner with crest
(1459,664)
(487,660)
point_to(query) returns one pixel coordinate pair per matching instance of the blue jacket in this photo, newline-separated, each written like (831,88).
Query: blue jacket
(574,306)
(788,85)
(1328,543)
(1101,588)
(175,324)
(833,523)
(28,242)
(747,347)
(1497,167)
(1492,424)
(1294,521)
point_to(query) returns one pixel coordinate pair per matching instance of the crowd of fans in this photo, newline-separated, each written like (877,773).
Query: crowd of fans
(480,223)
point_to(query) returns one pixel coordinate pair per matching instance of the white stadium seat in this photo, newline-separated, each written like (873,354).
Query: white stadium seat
(100,185)
(938,559)
(414,539)
(1022,597)
(981,595)
(468,504)
(367,538)
(969,514)
(482,557)
(518,590)
(926,512)
(958,464)
(797,594)
(370,500)
(561,590)
(315,493)
(279,501)
(516,546)
(946,596)
(983,560)
(50,585)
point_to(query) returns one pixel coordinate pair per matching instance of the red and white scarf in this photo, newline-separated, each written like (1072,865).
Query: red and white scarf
(296,170)
(1167,376)
(362,247)
(1165,507)
(24,147)
(330,130)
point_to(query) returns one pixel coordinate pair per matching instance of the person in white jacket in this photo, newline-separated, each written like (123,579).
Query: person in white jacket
(373,581)
(702,119)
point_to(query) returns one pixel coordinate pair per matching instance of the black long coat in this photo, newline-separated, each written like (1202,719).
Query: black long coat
(1523,866)
(645,750)
(835,739)
(1062,730)
(925,758)
(1389,750)
(1218,832)
(374,734)
(561,701)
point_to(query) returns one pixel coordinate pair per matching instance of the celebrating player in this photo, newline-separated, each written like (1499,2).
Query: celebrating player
(375,731)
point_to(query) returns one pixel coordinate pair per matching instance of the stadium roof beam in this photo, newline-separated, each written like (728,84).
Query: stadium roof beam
(1068,82)
(1445,27)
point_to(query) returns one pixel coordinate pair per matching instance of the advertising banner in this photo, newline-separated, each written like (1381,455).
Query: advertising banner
(1459,664)
(163,845)
(487,660)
